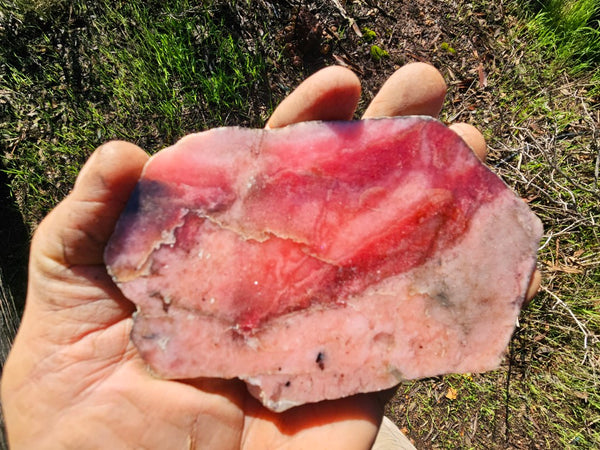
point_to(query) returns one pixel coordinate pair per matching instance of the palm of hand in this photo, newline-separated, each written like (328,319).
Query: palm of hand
(74,380)
(96,393)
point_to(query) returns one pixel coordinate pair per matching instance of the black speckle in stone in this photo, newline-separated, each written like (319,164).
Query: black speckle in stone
(443,299)
(321,360)
(150,336)
(288,383)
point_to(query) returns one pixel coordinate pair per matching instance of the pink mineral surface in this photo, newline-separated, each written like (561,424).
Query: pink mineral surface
(323,259)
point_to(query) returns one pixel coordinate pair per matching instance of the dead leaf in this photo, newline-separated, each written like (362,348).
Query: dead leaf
(530,198)
(482,76)
(451,394)
(577,253)
(551,267)
(340,60)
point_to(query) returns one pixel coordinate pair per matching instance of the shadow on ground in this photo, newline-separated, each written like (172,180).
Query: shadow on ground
(14,244)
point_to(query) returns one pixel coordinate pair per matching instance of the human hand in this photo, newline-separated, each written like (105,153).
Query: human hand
(73,378)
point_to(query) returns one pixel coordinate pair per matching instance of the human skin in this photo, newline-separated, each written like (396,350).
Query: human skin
(74,380)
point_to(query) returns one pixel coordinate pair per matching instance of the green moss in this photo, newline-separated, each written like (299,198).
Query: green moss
(368,34)
(377,53)
(445,47)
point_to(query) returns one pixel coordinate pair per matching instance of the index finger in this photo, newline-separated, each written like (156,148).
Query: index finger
(329,94)
(414,89)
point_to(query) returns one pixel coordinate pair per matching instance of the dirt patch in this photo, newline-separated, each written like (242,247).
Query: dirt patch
(376,38)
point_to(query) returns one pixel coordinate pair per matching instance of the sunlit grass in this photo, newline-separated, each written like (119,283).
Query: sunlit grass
(78,75)
(569,29)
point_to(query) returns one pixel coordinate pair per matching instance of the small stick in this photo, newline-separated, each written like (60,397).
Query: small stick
(347,17)
(582,327)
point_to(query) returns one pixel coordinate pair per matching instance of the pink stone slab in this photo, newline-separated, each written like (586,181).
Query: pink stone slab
(323,259)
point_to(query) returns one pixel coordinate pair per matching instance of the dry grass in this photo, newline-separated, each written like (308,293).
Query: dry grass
(542,129)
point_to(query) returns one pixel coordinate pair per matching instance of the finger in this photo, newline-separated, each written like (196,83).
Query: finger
(347,423)
(416,88)
(534,287)
(76,231)
(472,137)
(330,94)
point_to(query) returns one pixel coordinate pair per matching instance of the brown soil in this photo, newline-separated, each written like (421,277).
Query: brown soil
(457,38)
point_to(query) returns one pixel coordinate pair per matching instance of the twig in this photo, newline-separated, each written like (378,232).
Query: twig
(586,333)
(545,150)
(597,166)
(345,15)
(507,397)
(567,177)
(565,230)
(380,9)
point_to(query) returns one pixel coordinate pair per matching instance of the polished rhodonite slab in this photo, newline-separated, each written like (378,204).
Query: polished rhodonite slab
(323,259)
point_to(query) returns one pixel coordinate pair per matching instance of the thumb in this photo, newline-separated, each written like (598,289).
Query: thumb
(66,268)
(70,294)
(76,231)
